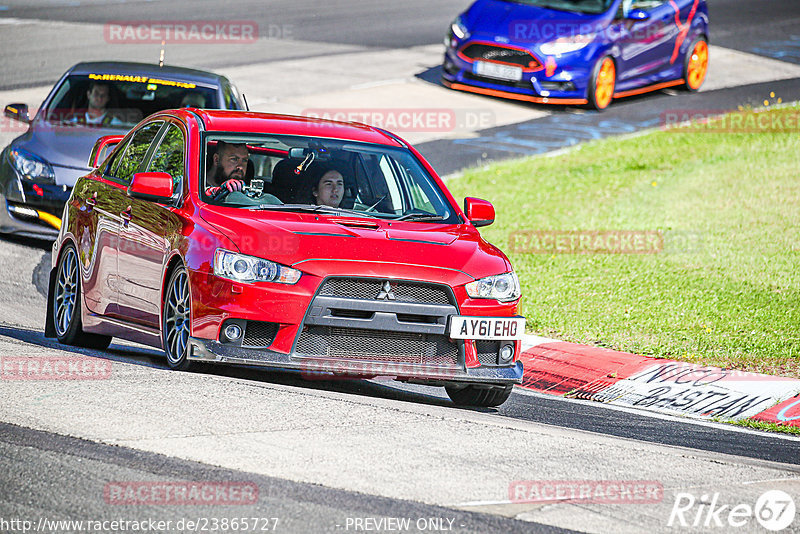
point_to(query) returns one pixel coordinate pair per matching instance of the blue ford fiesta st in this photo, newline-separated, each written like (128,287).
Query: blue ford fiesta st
(582,52)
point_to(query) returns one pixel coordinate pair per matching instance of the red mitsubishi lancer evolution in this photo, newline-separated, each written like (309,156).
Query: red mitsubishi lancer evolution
(286,242)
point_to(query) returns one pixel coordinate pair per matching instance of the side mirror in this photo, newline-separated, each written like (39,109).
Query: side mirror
(297,152)
(153,186)
(102,148)
(638,14)
(18,112)
(479,212)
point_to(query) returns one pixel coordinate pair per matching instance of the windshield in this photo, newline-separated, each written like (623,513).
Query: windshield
(111,100)
(310,174)
(593,7)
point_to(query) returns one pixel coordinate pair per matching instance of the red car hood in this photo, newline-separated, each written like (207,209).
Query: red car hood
(325,245)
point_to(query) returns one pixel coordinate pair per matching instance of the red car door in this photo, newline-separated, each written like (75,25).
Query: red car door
(112,203)
(145,235)
(96,230)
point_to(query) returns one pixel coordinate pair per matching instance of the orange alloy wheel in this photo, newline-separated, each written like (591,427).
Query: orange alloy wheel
(604,84)
(698,66)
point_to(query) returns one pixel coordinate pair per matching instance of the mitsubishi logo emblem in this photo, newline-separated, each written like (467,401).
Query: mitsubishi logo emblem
(386,292)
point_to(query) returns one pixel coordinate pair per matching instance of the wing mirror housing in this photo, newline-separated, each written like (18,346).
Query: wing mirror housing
(638,15)
(102,148)
(479,212)
(153,186)
(18,112)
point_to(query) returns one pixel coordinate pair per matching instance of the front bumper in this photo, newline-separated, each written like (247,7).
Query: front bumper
(29,220)
(339,326)
(27,208)
(564,84)
(211,351)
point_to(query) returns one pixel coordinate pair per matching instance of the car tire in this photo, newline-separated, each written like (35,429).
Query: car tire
(176,317)
(602,84)
(695,65)
(479,396)
(66,304)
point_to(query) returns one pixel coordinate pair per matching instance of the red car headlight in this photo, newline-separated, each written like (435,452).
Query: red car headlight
(243,268)
(503,287)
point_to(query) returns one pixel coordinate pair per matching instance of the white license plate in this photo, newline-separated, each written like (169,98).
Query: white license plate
(491,328)
(494,70)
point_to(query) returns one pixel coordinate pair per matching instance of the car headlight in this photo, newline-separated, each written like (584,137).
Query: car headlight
(503,287)
(459,29)
(31,167)
(565,45)
(242,268)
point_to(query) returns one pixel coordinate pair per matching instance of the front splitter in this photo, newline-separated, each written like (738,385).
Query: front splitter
(211,351)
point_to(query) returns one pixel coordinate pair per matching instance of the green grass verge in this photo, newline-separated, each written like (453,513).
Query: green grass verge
(731,298)
(769,427)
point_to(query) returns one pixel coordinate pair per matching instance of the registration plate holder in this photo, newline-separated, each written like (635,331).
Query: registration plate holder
(498,71)
(486,328)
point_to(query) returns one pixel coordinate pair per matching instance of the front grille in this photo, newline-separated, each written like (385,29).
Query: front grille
(369,289)
(259,334)
(377,346)
(502,54)
(487,351)
(522,84)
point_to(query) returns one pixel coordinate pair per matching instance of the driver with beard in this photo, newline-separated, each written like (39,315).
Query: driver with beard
(228,167)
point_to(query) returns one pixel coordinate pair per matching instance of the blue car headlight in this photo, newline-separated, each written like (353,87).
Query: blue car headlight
(243,268)
(503,287)
(30,166)
(566,45)
(459,29)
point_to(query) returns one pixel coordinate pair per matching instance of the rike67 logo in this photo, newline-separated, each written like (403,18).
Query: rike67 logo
(774,510)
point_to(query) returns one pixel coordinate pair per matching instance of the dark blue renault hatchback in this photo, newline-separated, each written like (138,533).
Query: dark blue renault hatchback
(577,51)
(91,100)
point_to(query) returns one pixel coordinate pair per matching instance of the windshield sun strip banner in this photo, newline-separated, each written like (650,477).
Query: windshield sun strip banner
(140,79)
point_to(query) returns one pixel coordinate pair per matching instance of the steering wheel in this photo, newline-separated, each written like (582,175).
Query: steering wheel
(221,194)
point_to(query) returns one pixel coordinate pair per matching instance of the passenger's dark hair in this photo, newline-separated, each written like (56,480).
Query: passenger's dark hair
(98,83)
(317,170)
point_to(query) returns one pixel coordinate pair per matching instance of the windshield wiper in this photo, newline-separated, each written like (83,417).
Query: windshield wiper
(420,217)
(309,208)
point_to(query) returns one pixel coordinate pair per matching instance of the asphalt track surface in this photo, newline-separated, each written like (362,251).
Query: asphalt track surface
(48,473)
(740,24)
(769,28)
(62,490)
